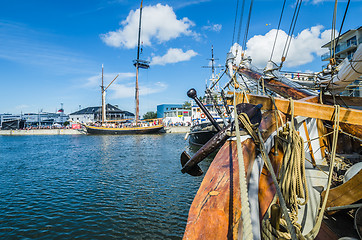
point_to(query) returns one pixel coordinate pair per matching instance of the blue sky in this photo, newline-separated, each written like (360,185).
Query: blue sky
(51,52)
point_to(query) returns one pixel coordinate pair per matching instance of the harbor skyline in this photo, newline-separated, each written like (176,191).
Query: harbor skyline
(52,53)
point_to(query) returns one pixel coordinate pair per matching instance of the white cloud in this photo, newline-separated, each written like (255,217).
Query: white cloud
(213,27)
(159,24)
(127,90)
(303,48)
(173,55)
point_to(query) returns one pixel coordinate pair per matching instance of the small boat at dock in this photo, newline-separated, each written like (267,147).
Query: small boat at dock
(144,128)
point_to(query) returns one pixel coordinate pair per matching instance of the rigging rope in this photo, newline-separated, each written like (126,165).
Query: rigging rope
(284,208)
(236,16)
(241,20)
(245,208)
(313,233)
(294,178)
(276,35)
(247,26)
(344,17)
(333,34)
(300,4)
(290,32)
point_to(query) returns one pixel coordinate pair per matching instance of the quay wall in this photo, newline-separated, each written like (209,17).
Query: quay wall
(178,129)
(42,132)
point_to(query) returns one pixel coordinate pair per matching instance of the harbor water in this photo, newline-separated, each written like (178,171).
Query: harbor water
(94,187)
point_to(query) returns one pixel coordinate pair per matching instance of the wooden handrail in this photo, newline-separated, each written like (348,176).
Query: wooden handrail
(305,109)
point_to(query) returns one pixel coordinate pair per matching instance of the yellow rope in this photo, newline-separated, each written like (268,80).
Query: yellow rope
(293,182)
(268,232)
(245,208)
(313,233)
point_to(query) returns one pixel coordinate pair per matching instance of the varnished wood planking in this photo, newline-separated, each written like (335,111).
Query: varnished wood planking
(345,194)
(217,216)
(305,109)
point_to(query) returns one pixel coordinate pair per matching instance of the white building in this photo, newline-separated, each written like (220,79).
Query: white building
(347,45)
(94,114)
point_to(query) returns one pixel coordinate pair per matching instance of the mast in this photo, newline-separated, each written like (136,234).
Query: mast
(137,65)
(212,62)
(103,100)
(212,79)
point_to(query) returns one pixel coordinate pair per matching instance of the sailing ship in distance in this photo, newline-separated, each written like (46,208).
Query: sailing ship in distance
(138,127)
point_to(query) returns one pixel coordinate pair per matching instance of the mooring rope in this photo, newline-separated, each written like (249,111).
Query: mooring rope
(269,232)
(245,208)
(313,233)
(293,181)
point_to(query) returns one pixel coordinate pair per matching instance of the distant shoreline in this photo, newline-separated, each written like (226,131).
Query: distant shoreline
(22,132)
(42,132)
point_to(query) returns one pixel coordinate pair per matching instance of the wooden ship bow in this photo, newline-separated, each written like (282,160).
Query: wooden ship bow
(289,157)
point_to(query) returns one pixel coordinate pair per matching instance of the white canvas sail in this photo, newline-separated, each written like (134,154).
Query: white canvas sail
(348,71)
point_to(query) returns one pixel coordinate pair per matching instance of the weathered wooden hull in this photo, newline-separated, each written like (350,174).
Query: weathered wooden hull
(215,212)
(122,131)
(276,86)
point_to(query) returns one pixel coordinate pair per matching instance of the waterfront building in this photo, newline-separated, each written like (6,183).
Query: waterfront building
(41,119)
(347,45)
(11,121)
(174,114)
(94,114)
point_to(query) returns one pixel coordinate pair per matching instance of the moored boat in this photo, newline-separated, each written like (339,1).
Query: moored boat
(124,130)
(136,127)
(277,179)
(216,212)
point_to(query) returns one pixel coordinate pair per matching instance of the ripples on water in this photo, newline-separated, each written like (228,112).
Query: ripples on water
(94,187)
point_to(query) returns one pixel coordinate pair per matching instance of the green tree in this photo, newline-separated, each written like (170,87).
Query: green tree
(186,105)
(150,115)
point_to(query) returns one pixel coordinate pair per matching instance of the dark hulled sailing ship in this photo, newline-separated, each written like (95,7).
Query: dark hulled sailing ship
(136,127)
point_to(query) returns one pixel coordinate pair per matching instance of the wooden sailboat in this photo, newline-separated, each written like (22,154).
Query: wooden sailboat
(276,182)
(216,212)
(137,127)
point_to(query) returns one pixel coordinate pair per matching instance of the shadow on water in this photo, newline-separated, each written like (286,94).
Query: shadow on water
(94,187)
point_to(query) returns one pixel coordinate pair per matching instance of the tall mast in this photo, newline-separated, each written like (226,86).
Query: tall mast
(212,62)
(137,65)
(103,100)
(212,79)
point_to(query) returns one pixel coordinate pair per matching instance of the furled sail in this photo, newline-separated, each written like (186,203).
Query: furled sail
(348,72)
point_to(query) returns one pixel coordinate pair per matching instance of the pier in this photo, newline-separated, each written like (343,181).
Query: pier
(42,132)
(21,132)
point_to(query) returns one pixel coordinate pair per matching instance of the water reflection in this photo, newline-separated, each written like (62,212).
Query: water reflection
(94,187)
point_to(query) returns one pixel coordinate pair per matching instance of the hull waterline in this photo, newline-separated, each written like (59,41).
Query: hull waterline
(121,131)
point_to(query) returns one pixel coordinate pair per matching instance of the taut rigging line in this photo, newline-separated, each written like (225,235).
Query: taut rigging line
(276,35)
(247,26)
(340,29)
(236,16)
(290,32)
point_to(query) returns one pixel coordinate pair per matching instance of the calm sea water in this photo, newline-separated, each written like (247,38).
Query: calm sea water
(94,187)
